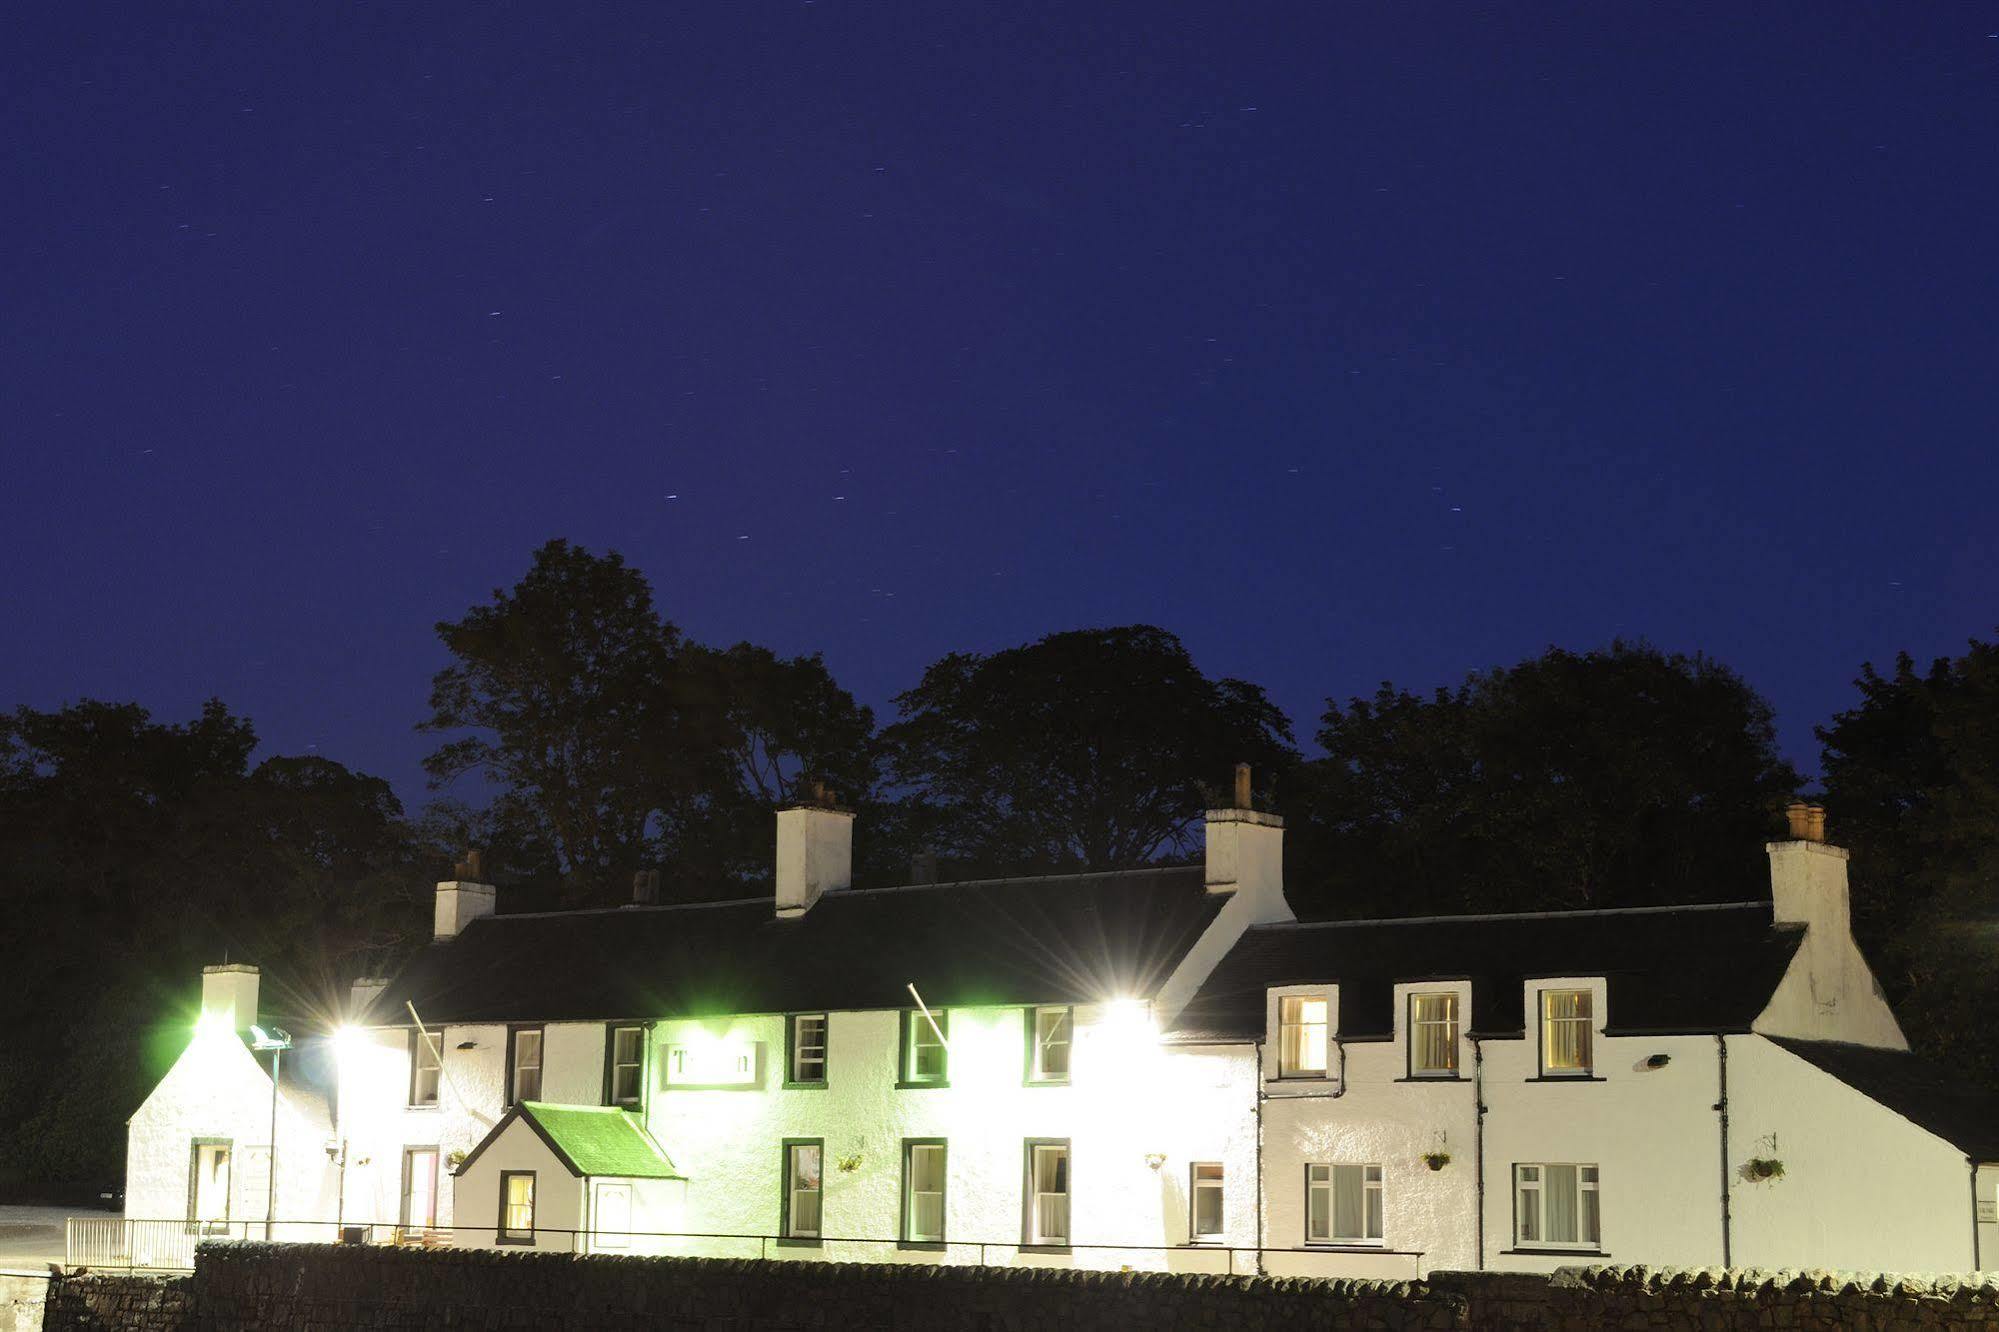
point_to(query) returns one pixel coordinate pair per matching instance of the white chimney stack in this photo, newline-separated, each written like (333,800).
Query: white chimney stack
(815,851)
(229,994)
(1246,855)
(462,900)
(362,994)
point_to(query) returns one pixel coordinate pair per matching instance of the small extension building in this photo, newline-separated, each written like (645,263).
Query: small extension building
(1156,1068)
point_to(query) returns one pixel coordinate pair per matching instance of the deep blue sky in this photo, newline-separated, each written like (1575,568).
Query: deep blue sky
(1351,342)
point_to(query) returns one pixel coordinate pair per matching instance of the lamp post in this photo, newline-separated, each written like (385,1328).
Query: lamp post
(277,1040)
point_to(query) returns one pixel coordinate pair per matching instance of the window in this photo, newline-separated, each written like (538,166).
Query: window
(923,1191)
(423,1068)
(1051,1032)
(1343,1204)
(803,1158)
(611,1219)
(1555,1206)
(925,1057)
(1204,1192)
(1433,1035)
(524,1065)
(1565,1033)
(516,1208)
(807,1037)
(1301,1036)
(208,1185)
(624,1066)
(1047,1193)
(419,1187)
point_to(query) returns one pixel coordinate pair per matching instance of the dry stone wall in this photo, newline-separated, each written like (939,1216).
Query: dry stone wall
(292,1288)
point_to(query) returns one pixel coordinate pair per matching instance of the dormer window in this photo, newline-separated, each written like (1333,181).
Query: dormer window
(1433,1035)
(1302,1030)
(1567,1019)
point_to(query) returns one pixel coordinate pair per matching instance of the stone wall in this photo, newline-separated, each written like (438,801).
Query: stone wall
(285,1287)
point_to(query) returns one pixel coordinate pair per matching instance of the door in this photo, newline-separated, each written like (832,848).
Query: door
(208,1194)
(613,1216)
(419,1188)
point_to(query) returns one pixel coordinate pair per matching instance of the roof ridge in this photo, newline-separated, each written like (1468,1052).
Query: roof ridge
(1508,915)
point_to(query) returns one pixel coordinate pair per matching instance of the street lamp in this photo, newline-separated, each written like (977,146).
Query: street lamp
(277,1040)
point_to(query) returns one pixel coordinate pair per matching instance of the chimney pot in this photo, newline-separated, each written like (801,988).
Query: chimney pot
(1798,815)
(645,888)
(472,868)
(923,867)
(1242,786)
(1815,822)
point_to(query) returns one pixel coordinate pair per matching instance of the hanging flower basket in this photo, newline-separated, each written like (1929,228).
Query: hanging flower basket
(1436,1160)
(1764,1167)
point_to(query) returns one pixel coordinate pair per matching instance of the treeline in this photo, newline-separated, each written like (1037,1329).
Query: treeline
(134,851)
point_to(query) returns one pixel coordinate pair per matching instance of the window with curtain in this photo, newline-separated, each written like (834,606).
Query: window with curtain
(1302,1021)
(1433,1035)
(1555,1205)
(923,1192)
(1048,1193)
(516,1207)
(1343,1204)
(1205,1188)
(1565,1032)
(802,1189)
(925,1058)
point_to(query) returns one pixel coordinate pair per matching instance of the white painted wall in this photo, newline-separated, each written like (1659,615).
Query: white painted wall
(1128,1099)
(218,1089)
(1862,1187)
(558,1194)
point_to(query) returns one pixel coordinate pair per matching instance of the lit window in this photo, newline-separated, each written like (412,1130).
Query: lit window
(1343,1204)
(802,1189)
(1433,1035)
(808,1050)
(208,1186)
(626,1075)
(1301,1036)
(1565,1033)
(1047,1193)
(1205,1192)
(419,1187)
(524,1066)
(516,1207)
(923,1192)
(1054,1033)
(423,1068)
(925,1058)
(1555,1206)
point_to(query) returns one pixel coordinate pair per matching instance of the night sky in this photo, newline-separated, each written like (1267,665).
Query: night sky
(1350,342)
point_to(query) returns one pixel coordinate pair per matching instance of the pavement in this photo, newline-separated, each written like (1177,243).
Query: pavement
(32,1237)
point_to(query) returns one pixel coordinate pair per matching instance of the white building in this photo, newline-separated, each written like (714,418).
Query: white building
(1154,1068)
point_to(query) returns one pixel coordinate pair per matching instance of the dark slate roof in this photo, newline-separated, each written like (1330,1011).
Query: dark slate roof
(1926,1094)
(1668,969)
(1060,939)
(594,1141)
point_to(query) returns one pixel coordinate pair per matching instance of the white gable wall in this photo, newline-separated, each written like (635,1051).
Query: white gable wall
(558,1194)
(1862,1186)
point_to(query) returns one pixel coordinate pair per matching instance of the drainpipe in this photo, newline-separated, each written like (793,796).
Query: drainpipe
(1976,1257)
(1478,1137)
(1257,1049)
(1721,1109)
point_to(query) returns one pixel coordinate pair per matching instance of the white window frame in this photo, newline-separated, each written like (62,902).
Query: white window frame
(1326,1177)
(515,1064)
(1062,1020)
(1538,991)
(942,1192)
(1277,1068)
(1530,1180)
(426,1069)
(919,1034)
(1199,1184)
(637,1064)
(792,1190)
(1406,995)
(796,1047)
(1035,1232)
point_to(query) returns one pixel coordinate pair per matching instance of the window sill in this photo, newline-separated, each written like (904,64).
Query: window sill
(1435,1077)
(1047,1248)
(428,1105)
(1555,1253)
(1045,1082)
(1347,1246)
(1209,1242)
(1566,1077)
(921,1246)
(805,1086)
(527,1243)
(921,1086)
(799,1242)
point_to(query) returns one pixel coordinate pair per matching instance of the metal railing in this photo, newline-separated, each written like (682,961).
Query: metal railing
(170,1246)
